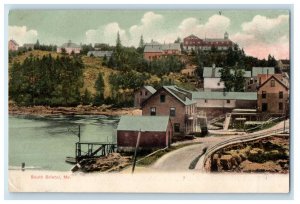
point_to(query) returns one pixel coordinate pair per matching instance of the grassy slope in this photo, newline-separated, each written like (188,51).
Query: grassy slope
(93,66)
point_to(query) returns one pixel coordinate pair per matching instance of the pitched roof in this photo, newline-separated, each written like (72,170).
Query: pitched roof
(247,74)
(156,47)
(280,82)
(100,53)
(210,72)
(262,70)
(224,95)
(192,36)
(150,89)
(216,40)
(70,45)
(182,95)
(171,46)
(153,47)
(14,42)
(143,123)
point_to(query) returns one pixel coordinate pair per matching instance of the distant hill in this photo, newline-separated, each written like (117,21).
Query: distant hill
(93,65)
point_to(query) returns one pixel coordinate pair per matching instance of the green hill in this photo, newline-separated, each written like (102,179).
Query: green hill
(93,65)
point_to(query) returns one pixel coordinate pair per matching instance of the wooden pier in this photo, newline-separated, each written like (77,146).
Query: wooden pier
(84,150)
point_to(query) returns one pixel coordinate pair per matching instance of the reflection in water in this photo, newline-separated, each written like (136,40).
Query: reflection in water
(44,142)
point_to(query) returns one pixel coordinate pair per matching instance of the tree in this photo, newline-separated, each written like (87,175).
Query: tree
(141,44)
(227,78)
(99,85)
(238,80)
(233,81)
(118,44)
(86,98)
(178,40)
(37,45)
(47,81)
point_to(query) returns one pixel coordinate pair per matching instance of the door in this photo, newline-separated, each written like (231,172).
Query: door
(264,107)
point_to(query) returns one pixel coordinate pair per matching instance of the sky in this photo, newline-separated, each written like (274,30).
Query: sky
(258,32)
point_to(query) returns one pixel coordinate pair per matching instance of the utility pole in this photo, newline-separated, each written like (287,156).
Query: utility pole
(136,148)
(79,132)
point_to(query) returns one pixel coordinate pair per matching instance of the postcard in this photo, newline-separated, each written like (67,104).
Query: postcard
(150,100)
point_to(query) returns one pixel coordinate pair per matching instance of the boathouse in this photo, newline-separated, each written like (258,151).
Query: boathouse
(155,132)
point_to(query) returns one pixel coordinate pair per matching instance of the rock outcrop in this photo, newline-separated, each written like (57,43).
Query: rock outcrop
(262,155)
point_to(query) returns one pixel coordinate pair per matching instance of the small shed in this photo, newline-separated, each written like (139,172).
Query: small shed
(156,132)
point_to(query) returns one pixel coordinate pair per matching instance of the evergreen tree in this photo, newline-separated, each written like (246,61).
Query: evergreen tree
(99,85)
(141,44)
(86,98)
(37,45)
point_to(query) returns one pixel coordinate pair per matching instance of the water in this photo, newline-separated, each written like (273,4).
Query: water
(45,142)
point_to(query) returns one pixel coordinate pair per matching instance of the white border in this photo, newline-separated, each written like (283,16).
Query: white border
(3,76)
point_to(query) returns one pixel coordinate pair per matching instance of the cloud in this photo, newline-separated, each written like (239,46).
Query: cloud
(215,27)
(150,27)
(263,36)
(258,37)
(22,35)
(262,24)
(106,34)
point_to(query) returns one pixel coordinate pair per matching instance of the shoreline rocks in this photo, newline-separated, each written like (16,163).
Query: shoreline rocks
(78,110)
(262,155)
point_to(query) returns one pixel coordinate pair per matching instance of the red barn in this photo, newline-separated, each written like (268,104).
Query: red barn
(156,132)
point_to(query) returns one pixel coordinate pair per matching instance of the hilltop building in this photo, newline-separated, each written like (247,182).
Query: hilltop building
(13,45)
(100,53)
(155,50)
(193,42)
(69,48)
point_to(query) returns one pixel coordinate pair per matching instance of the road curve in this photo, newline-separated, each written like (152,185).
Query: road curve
(179,160)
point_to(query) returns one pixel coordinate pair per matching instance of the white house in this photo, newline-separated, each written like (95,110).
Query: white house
(212,78)
(69,48)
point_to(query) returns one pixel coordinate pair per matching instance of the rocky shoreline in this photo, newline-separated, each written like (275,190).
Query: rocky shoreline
(264,155)
(113,162)
(78,110)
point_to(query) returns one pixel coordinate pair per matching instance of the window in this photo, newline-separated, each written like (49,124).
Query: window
(162,98)
(141,93)
(146,93)
(264,94)
(172,111)
(218,84)
(152,111)
(280,94)
(205,101)
(228,101)
(272,83)
(280,106)
(176,127)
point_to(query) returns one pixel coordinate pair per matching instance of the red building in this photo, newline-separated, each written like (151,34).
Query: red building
(156,50)
(156,132)
(192,42)
(176,103)
(273,96)
(13,45)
